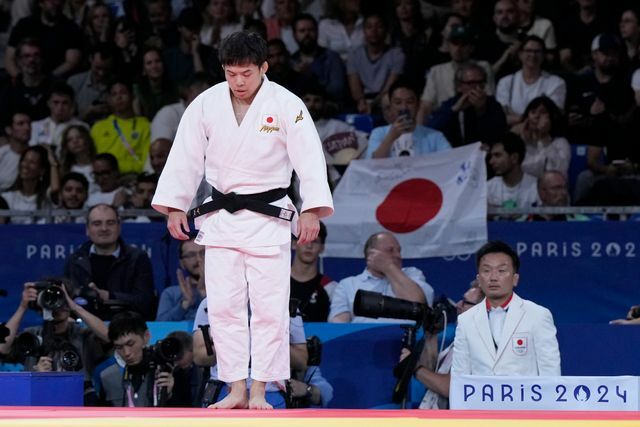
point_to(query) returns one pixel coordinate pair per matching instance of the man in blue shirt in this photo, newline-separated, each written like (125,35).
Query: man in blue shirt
(180,302)
(384,274)
(404,137)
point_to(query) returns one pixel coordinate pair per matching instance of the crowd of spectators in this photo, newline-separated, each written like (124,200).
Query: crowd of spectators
(101,86)
(92,93)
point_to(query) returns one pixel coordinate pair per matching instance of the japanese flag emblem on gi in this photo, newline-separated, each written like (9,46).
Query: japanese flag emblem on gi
(270,120)
(519,345)
(436,205)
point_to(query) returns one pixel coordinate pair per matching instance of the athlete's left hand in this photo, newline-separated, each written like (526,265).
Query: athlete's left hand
(308,227)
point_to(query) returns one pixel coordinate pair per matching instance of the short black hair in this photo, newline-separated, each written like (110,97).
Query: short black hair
(185,338)
(242,48)
(555,114)
(498,247)
(121,80)
(304,17)
(63,89)
(512,143)
(109,158)
(403,83)
(147,177)
(28,41)
(535,39)
(127,322)
(105,50)
(75,176)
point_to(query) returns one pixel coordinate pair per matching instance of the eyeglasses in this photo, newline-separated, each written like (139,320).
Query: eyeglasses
(192,255)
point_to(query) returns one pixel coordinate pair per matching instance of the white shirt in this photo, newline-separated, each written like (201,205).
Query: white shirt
(9,161)
(100,197)
(540,157)
(47,132)
(87,171)
(165,122)
(523,194)
(18,201)
(543,28)
(333,35)
(206,34)
(497,315)
(514,93)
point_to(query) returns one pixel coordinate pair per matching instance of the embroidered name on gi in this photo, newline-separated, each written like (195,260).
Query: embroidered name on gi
(269,129)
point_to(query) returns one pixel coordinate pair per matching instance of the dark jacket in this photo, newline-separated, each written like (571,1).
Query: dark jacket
(130,279)
(487,128)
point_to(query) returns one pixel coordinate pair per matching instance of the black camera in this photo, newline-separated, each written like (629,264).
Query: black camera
(433,320)
(64,356)
(163,354)
(50,295)
(314,349)
(89,299)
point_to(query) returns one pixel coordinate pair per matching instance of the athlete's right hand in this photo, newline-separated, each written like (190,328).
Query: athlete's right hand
(177,224)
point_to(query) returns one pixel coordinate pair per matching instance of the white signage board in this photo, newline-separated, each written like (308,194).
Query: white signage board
(545,393)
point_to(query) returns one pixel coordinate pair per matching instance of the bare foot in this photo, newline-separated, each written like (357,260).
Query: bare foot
(236,399)
(257,396)
(259,402)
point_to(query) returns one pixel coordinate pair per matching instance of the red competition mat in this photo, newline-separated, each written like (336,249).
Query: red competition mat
(158,417)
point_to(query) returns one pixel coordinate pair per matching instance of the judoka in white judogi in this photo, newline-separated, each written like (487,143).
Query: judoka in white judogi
(248,253)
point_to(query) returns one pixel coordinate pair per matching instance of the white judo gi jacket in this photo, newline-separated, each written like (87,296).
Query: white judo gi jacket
(276,136)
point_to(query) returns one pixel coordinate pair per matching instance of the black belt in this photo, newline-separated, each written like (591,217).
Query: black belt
(258,202)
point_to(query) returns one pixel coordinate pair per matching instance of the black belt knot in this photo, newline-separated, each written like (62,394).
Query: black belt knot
(233,202)
(258,202)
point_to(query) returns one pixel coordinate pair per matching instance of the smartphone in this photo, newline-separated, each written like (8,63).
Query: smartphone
(404,113)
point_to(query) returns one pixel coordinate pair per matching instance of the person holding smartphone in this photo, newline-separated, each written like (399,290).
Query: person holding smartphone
(404,137)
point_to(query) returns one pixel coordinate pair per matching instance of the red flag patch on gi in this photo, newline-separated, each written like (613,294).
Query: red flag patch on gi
(270,120)
(436,205)
(269,123)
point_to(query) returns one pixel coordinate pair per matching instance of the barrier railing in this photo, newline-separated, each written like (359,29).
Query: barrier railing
(622,211)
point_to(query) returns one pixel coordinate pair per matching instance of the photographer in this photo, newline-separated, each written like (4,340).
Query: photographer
(309,389)
(110,269)
(57,326)
(433,367)
(384,274)
(140,376)
(216,390)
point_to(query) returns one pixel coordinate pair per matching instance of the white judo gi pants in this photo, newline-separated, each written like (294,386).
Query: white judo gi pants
(233,277)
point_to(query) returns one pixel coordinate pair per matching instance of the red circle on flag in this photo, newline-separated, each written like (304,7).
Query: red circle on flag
(269,119)
(519,342)
(409,205)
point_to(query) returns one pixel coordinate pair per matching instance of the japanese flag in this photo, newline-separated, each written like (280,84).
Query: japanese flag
(436,205)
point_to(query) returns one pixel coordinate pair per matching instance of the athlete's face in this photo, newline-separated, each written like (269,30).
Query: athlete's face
(244,80)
